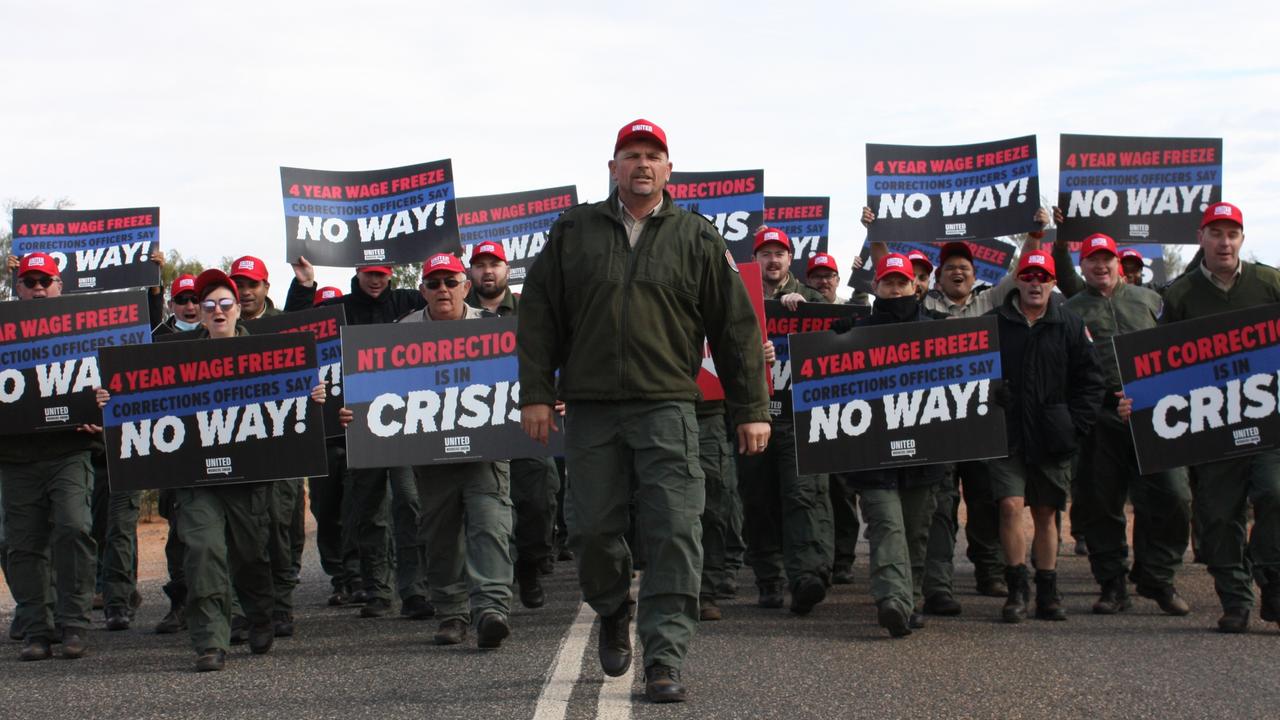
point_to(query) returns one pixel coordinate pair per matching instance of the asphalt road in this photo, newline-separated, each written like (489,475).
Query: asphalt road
(755,663)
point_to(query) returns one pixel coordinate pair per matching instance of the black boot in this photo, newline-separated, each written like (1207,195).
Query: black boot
(615,640)
(1018,580)
(1114,597)
(1269,602)
(176,619)
(529,580)
(1048,601)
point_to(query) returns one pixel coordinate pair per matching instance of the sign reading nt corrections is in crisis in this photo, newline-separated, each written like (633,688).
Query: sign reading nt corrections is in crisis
(348,219)
(95,249)
(952,192)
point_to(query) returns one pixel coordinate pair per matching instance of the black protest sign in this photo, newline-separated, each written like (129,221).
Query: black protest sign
(519,222)
(991,260)
(732,200)
(1137,189)
(1204,389)
(48,355)
(349,219)
(884,396)
(326,324)
(212,412)
(95,249)
(806,220)
(952,192)
(779,324)
(425,393)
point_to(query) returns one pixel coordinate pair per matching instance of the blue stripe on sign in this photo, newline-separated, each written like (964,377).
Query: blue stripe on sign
(934,184)
(782,347)
(21,246)
(346,209)
(364,387)
(1109,179)
(24,355)
(726,204)
(232,392)
(796,228)
(799,389)
(502,230)
(1148,391)
(329,351)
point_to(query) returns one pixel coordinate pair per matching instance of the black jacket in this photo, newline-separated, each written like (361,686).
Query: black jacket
(361,309)
(1053,384)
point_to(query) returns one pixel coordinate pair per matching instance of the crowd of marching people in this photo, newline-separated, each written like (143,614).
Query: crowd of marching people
(685,492)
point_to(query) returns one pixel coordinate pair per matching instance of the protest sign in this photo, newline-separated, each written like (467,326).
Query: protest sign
(708,376)
(952,192)
(884,396)
(806,220)
(1204,389)
(435,392)
(732,200)
(518,221)
(326,324)
(95,249)
(349,219)
(1137,189)
(780,324)
(991,260)
(211,412)
(48,360)
(1155,272)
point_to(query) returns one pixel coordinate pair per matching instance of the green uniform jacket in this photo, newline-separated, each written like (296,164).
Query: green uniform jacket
(1130,308)
(623,323)
(510,304)
(792,285)
(1193,295)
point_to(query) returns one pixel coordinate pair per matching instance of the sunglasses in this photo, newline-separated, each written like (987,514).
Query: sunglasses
(435,283)
(225,304)
(1040,277)
(43,281)
(186,299)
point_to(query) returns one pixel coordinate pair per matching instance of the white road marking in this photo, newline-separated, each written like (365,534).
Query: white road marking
(553,702)
(614,701)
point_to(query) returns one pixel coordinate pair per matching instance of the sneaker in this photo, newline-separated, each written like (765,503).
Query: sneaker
(942,604)
(708,610)
(117,619)
(261,638)
(451,632)
(662,684)
(375,608)
(36,648)
(491,631)
(282,623)
(417,608)
(210,660)
(73,645)
(615,640)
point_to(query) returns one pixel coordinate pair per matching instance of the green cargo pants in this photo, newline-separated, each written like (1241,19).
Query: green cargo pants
(285,500)
(47,518)
(1224,490)
(377,521)
(715,455)
(534,483)
(981,529)
(335,543)
(898,531)
(1161,509)
(467,530)
(225,531)
(115,531)
(844,522)
(648,449)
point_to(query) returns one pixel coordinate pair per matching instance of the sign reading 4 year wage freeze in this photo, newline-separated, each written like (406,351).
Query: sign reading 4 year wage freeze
(95,249)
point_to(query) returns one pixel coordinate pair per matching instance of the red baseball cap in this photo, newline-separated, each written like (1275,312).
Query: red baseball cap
(1222,211)
(771,235)
(182,284)
(952,249)
(1038,260)
(1130,254)
(918,257)
(442,262)
(894,263)
(326,293)
(213,278)
(249,267)
(641,129)
(822,260)
(380,269)
(1098,242)
(39,262)
(492,249)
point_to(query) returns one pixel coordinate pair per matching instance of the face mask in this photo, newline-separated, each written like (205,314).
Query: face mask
(184,325)
(901,308)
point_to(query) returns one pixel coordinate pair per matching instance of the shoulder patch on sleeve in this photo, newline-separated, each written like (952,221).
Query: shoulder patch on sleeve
(728,257)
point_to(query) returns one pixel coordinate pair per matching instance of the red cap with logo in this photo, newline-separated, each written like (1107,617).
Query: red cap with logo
(918,257)
(641,129)
(249,267)
(38,262)
(212,278)
(822,260)
(1037,261)
(771,235)
(182,284)
(894,263)
(326,293)
(1097,242)
(955,249)
(442,262)
(379,269)
(1222,211)
(1130,254)
(492,249)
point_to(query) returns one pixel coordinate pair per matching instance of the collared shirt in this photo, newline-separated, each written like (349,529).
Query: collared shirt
(634,225)
(424,315)
(1018,307)
(1214,278)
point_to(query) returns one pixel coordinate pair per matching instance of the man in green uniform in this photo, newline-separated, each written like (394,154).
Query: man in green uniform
(1223,490)
(45,482)
(619,302)
(1108,473)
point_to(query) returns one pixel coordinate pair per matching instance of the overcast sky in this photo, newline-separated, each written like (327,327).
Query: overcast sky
(194,107)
